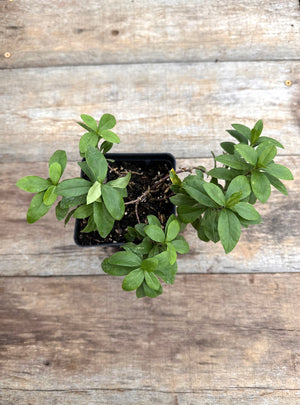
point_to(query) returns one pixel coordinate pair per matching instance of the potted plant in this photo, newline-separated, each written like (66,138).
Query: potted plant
(116,196)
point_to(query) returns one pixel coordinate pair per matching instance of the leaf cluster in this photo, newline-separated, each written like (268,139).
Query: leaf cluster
(217,205)
(97,132)
(218,208)
(150,255)
(95,198)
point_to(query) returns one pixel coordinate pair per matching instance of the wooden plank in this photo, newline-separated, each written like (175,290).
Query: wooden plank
(180,108)
(47,248)
(205,336)
(239,396)
(42,33)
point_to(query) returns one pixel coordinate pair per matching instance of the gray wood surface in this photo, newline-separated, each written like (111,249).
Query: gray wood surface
(207,337)
(175,74)
(180,108)
(56,33)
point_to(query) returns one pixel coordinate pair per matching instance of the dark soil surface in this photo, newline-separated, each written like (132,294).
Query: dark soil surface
(143,175)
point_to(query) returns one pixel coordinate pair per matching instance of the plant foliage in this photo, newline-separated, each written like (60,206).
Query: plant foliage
(217,203)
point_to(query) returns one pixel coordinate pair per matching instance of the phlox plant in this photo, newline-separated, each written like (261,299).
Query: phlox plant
(217,203)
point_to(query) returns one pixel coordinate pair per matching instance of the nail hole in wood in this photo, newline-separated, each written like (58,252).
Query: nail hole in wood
(115,33)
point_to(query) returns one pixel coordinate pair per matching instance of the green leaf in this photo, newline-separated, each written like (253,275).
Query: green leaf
(68,217)
(259,126)
(140,291)
(50,195)
(127,259)
(37,208)
(242,129)
(109,136)
(165,270)
(149,264)
(88,139)
(241,138)
(60,157)
(180,245)
(215,193)
(252,198)
(113,269)
(84,167)
(97,163)
(267,155)
(228,147)
(107,121)
(277,184)
(247,211)
(210,225)
(152,281)
(122,191)
(86,127)
(90,121)
(154,250)
(172,253)
(182,199)
(60,212)
(153,220)
(271,140)
(171,218)
(91,226)
(113,201)
(33,184)
(94,193)
(233,161)
(105,147)
(103,220)
(279,171)
(131,234)
(174,178)
(121,182)
(83,211)
(172,230)
(261,186)
(155,233)
(256,131)
(229,229)
(68,202)
(234,199)
(201,234)
(55,171)
(188,214)
(144,247)
(140,228)
(239,183)
(73,187)
(199,196)
(133,280)
(150,292)
(222,173)
(248,153)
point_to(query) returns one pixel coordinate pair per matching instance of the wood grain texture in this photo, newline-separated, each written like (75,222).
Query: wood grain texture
(207,336)
(180,108)
(240,396)
(56,33)
(47,248)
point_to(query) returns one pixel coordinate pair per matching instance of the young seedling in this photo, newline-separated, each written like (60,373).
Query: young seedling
(218,202)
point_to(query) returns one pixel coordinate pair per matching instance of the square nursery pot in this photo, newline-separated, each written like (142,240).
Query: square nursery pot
(146,169)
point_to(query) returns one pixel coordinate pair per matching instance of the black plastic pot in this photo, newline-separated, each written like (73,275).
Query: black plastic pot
(146,161)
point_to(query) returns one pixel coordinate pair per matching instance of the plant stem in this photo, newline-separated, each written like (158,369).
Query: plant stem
(152,189)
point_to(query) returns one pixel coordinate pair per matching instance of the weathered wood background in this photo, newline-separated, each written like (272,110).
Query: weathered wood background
(175,74)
